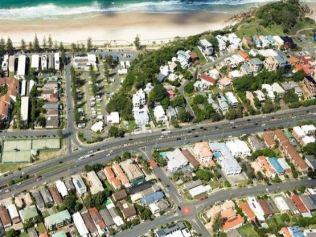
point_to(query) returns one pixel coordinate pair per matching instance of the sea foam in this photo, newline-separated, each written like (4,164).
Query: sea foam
(52,10)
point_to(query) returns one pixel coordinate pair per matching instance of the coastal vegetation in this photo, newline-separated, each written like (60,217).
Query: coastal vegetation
(274,18)
(280,17)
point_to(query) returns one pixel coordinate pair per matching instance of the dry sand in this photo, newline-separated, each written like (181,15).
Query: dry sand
(118,28)
(121,28)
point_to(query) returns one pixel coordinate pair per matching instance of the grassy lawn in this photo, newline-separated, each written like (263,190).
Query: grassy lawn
(24,234)
(41,228)
(253,28)
(200,55)
(10,167)
(247,231)
(302,25)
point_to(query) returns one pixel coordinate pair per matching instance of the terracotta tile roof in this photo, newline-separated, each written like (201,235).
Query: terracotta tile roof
(96,217)
(43,234)
(152,164)
(5,217)
(262,160)
(268,138)
(245,55)
(55,194)
(285,231)
(280,136)
(228,213)
(265,207)
(119,195)
(295,156)
(207,78)
(233,223)
(89,222)
(299,204)
(247,211)
(108,172)
(5,100)
(290,150)
(190,158)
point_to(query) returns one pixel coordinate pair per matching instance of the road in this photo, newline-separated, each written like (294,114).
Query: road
(215,197)
(104,151)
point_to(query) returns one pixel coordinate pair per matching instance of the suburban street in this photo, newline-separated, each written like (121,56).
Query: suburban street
(108,149)
(105,151)
(79,155)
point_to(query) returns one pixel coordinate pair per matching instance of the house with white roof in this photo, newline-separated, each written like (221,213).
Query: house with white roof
(309,129)
(113,118)
(277,89)
(160,114)
(231,99)
(206,46)
(214,73)
(5,64)
(80,186)
(238,148)
(269,90)
(25,109)
(98,126)
(224,157)
(183,57)
(221,42)
(61,187)
(279,41)
(175,160)
(281,204)
(148,88)
(35,62)
(21,66)
(141,116)
(80,225)
(260,96)
(164,72)
(308,139)
(44,62)
(139,99)
(57,61)
(96,185)
(256,208)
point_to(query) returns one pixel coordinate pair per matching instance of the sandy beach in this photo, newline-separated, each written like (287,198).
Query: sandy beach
(120,28)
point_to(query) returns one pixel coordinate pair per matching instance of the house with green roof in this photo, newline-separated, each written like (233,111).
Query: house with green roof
(59,234)
(28,213)
(57,220)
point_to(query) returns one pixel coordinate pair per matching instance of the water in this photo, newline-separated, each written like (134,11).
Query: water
(24,9)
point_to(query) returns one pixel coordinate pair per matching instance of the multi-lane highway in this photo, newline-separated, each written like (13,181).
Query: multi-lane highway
(107,150)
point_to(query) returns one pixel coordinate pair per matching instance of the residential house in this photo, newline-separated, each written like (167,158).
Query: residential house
(57,220)
(224,157)
(133,172)
(206,46)
(175,160)
(310,84)
(231,99)
(96,185)
(80,186)
(7,99)
(203,153)
(160,114)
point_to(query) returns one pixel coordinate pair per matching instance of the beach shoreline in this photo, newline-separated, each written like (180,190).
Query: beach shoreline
(120,28)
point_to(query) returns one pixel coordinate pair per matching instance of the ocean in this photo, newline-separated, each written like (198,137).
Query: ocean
(20,9)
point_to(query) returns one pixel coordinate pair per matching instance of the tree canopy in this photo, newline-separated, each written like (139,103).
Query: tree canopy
(283,13)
